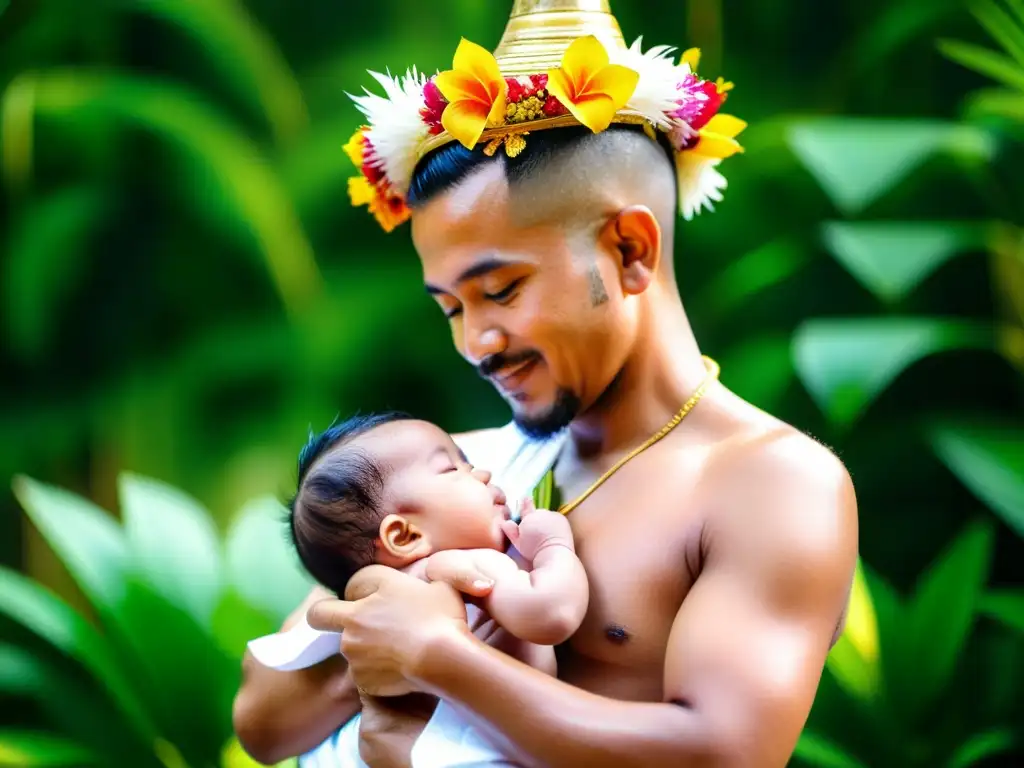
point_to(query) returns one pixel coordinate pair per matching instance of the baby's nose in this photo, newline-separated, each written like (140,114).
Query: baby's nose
(482,475)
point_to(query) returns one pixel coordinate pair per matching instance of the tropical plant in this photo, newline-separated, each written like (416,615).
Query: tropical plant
(931,670)
(150,683)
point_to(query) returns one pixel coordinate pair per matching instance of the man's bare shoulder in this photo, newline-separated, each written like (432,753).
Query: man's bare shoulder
(782,491)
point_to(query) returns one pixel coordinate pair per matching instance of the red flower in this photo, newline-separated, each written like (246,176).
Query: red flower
(553,107)
(434,104)
(708,108)
(371,167)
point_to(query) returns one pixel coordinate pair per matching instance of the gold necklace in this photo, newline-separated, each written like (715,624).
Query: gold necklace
(712,374)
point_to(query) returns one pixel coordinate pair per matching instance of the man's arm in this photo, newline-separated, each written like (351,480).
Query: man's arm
(278,715)
(746,650)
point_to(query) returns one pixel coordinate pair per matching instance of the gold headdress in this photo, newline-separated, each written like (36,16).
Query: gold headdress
(559,63)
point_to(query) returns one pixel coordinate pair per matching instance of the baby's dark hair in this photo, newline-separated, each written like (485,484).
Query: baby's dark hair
(336,513)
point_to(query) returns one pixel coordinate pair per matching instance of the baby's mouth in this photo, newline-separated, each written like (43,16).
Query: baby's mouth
(499,497)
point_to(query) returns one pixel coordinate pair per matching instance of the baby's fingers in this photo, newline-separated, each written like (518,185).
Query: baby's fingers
(511,530)
(526,506)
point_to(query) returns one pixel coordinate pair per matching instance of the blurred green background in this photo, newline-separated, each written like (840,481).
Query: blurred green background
(186,291)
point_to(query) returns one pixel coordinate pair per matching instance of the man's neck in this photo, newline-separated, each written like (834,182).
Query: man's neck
(659,377)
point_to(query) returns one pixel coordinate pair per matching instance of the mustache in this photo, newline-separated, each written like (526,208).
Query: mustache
(492,364)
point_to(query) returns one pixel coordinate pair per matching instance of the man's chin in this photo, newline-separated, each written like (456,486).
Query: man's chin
(545,422)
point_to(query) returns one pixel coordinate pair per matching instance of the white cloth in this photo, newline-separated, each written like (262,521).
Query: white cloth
(517,463)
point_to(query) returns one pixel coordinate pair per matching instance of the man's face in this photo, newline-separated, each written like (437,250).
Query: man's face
(536,308)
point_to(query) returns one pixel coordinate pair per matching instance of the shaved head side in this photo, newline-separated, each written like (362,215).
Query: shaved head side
(566,175)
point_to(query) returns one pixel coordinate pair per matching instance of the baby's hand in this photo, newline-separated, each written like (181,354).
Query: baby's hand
(537,529)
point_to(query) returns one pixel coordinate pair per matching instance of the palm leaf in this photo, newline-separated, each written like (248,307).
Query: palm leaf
(243,52)
(984,62)
(246,183)
(45,615)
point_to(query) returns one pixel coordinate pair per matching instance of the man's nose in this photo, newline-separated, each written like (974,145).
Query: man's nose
(481,343)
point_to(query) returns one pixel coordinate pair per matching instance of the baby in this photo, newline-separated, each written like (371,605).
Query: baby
(394,491)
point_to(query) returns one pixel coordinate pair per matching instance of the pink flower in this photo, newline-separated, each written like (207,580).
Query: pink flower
(434,104)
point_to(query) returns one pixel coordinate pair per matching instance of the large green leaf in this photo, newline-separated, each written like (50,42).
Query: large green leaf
(996,102)
(244,53)
(44,260)
(892,258)
(175,544)
(942,610)
(985,62)
(235,623)
(856,160)
(88,541)
(263,568)
(989,460)
(1006,606)
(817,750)
(760,369)
(855,659)
(25,749)
(45,615)
(846,363)
(981,747)
(75,708)
(762,268)
(246,183)
(183,669)
(1002,27)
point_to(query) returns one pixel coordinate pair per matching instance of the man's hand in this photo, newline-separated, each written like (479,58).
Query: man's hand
(537,529)
(388,620)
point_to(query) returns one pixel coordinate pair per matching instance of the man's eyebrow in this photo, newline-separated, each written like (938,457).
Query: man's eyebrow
(481,268)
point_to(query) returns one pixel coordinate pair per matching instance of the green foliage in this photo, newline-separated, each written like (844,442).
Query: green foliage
(173,628)
(186,292)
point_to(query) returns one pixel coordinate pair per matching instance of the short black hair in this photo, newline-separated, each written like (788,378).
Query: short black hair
(336,512)
(446,166)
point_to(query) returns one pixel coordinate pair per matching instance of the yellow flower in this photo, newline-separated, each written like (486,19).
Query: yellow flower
(388,209)
(718,137)
(691,57)
(591,88)
(354,147)
(475,91)
(723,86)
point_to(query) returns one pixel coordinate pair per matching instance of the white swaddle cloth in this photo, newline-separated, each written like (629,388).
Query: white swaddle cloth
(517,464)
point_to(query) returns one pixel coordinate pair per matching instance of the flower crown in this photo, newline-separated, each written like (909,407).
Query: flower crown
(473,103)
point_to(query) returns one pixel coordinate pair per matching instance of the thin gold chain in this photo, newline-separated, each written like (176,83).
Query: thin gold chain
(712,374)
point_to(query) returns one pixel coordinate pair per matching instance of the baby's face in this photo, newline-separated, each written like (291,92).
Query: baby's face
(430,482)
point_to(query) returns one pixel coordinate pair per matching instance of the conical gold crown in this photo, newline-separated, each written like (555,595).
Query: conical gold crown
(539,31)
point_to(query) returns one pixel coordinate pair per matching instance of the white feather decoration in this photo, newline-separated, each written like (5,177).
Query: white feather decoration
(700,183)
(396,125)
(656,90)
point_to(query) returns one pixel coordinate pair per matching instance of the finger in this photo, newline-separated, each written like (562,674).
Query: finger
(331,615)
(511,530)
(371,579)
(526,507)
(465,579)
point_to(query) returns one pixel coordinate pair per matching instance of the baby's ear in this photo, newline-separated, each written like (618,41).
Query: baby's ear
(401,540)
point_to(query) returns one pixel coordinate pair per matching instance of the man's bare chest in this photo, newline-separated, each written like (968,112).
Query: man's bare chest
(640,552)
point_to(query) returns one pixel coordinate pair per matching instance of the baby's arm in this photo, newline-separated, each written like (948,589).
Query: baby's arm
(544,605)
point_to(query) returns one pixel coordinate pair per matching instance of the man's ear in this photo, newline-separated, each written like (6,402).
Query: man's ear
(401,541)
(635,235)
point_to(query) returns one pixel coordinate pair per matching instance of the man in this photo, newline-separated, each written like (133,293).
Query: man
(720,543)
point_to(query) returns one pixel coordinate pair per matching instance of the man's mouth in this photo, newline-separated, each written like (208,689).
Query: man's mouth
(510,379)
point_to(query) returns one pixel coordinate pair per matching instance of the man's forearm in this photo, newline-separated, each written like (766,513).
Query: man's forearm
(278,715)
(550,723)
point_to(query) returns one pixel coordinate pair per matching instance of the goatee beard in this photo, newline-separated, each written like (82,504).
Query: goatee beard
(565,408)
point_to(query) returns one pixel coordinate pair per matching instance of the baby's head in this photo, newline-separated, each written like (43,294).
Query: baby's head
(391,490)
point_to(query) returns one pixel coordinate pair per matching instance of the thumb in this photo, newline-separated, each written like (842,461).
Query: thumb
(331,615)
(511,529)
(526,507)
